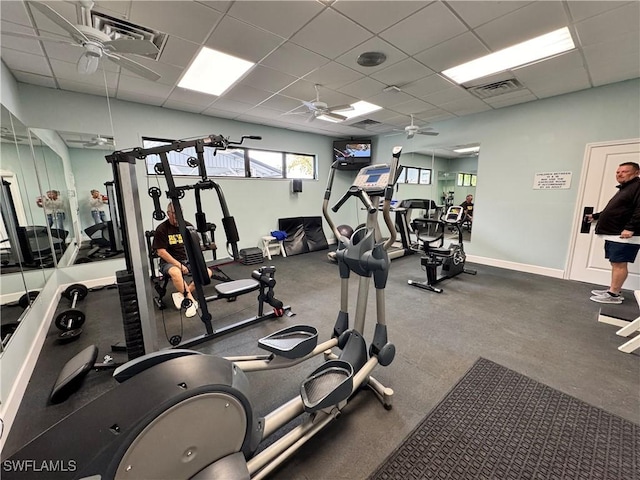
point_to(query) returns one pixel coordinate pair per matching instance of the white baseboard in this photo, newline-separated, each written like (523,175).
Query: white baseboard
(520,267)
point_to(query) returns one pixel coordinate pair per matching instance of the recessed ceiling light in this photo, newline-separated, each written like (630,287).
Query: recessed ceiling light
(538,48)
(213,72)
(360,108)
(467,149)
(371,59)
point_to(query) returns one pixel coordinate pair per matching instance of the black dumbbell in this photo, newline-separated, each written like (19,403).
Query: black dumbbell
(70,321)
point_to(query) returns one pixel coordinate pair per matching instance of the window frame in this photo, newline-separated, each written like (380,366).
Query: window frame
(247,163)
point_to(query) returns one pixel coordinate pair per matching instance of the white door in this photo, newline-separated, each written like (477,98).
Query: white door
(587,263)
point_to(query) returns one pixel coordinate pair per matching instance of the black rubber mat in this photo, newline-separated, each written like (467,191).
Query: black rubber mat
(498,424)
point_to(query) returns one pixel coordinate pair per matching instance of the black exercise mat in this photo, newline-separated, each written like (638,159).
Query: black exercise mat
(498,424)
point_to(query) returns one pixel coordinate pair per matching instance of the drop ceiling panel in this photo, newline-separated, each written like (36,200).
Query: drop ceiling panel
(412,107)
(179,52)
(182,106)
(281,103)
(427,86)
(581,10)
(34,79)
(389,99)
(411,35)
(364,88)
(376,44)
(568,82)
(294,60)
(228,105)
(188,20)
(218,5)
(26,62)
(20,44)
(15,12)
(246,94)
(91,89)
(139,85)
(333,75)
(114,8)
(475,13)
(386,13)
(301,90)
(242,40)
(140,98)
(268,15)
(403,72)
(449,95)
(511,98)
(465,106)
(530,21)
(609,25)
(452,52)
(183,95)
(268,79)
(330,34)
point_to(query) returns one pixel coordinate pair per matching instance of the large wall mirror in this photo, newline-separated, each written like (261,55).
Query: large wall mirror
(444,175)
(26,258)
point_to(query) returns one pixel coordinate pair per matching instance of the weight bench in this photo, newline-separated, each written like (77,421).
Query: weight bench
(262,279)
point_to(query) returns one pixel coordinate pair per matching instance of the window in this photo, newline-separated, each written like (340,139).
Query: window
(236,162)
(415,176)
(466,180)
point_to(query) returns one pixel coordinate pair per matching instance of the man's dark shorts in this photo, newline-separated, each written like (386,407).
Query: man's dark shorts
(164,268)
(617,252)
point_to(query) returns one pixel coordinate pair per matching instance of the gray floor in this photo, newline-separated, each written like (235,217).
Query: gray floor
(541,327)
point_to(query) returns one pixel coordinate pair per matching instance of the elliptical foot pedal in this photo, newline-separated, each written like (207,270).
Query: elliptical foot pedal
(291,342)
(328,385)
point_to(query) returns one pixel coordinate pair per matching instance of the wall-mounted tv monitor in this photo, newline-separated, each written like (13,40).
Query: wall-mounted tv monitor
(352,154)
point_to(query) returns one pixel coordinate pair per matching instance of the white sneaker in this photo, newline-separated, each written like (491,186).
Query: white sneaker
(192,310)
(177,299)
(600,293)
(607,298)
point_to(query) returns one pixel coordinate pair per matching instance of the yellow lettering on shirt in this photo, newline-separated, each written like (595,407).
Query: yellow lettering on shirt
(175,239)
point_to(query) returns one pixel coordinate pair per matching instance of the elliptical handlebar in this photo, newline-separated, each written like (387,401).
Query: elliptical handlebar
(361,193)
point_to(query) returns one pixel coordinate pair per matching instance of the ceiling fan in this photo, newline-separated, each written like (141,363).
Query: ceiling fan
(96,43)
(319,109)
(97,141)
(412,130)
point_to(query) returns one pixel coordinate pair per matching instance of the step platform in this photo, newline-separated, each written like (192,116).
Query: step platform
(291,342)
(328,385)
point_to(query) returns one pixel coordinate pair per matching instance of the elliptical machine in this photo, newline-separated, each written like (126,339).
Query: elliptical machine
(189,415)
(440,262)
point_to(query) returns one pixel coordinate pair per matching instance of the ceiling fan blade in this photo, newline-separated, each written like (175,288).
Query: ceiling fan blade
(310,105)
(340,108)
(59,20)
(311,118)
(334,116)
(134,67)
(130,45)
(432,133)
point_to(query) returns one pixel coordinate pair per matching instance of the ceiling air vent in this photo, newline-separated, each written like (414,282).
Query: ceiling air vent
(497,88)
(118,28)
(365,123)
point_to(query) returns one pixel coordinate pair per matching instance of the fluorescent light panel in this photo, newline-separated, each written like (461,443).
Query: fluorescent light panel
(544,46)
(360,108)
(213,72)
(467,150)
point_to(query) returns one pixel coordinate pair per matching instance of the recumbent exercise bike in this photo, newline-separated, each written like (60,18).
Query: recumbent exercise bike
(440,262)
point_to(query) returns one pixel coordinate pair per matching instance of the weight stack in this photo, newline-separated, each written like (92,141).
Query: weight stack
(250,256)
(130,314)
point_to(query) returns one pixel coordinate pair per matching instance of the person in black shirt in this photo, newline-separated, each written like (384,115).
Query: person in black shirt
(169,245)
(467,207)
(619,225)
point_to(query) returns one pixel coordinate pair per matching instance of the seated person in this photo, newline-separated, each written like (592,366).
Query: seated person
(467,207)
(169,245)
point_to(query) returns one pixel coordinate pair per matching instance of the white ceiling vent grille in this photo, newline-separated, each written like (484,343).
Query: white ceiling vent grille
(118,28)
(497,88)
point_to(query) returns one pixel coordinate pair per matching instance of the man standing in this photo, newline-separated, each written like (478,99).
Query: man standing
(619,226)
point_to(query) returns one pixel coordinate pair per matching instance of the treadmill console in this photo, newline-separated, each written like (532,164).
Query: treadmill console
(454,215)
(373,179)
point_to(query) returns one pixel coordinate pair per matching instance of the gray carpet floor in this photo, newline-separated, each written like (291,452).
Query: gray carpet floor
(541,327)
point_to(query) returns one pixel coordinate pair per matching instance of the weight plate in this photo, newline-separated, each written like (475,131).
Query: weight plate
(69,335)
(72,289)
(70,319)
(27,298)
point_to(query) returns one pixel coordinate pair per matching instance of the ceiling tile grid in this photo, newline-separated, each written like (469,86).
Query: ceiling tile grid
(299,44)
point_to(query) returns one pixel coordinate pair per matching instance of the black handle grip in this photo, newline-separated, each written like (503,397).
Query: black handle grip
(585,226)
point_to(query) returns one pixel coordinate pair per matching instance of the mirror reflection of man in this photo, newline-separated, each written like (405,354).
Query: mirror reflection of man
(467,207)
(53,207)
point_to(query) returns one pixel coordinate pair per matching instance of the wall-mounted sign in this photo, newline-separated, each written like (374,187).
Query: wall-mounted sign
(552,180)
